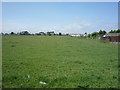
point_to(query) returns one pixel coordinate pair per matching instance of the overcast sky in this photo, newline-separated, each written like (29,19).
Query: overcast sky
(64,17)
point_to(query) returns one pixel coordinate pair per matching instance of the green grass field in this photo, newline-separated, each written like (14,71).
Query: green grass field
(59,61)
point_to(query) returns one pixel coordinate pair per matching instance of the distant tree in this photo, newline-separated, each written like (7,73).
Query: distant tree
(60,33)
(6,34)
(89,35)
(24,33)
(118,31)
(12,33)
(115,31)
(37,34)
(111,31)
(67,34)
(104,32)
(94,34)
(2,33)
(100,32)
(85,32)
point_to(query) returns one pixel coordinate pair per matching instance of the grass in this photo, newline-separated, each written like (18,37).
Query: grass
(59,61)
(0,62)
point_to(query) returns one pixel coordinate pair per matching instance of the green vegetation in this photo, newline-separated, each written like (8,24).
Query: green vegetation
(115,31)
(0,62)
(59,61)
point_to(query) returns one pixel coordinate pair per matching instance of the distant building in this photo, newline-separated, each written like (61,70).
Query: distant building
(41,33)
(111,37)
(75,35)
(51,33)
(84,35)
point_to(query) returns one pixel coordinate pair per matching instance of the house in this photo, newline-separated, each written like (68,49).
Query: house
(111,37)
(51,33)
(40,33)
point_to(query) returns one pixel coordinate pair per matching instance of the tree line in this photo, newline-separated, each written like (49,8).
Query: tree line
(101,33)
(27,33)
(92,35)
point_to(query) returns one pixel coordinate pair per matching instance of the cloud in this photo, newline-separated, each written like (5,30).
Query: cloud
(75,27)
(77,17)
(108,26)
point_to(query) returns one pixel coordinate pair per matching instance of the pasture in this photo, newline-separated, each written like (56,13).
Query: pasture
(59,62)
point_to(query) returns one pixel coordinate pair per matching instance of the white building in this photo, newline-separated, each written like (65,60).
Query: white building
(75,35)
